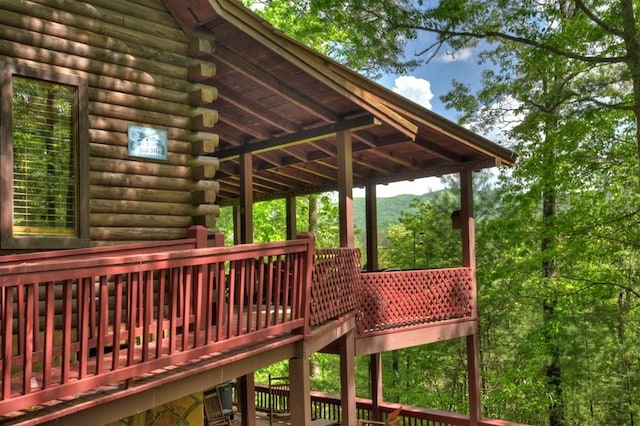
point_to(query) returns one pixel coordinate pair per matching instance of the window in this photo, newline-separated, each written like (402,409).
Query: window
(43,146)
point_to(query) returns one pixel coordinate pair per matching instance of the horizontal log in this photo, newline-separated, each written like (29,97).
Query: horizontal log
(16,53)
(148,10)
(203,96)
(124,234)
(121,153)
(133,181)
(203,171)
(141,194)
(173,133)
(115,145)
(120,26)
(204,120)
(140,168)
(203,197)
(151,208)
(140,220)
(202,72)
(157,118)
(205,146)
(208,221)
(139,102)
(68,53)
(155,4)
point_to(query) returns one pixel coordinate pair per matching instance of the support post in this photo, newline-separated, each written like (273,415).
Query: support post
(469,260)
(300,390)
(345,189)
(375,372)
(348,379)
(371,212)
(247,388)
(291,216)
(246,199)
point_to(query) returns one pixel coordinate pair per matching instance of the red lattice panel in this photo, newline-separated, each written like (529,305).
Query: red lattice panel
(404,298)
(333,290)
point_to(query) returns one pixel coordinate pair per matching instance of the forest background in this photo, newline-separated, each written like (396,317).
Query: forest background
(558,245)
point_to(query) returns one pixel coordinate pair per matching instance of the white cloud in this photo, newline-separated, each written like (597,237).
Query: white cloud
(461,55)
(416,89)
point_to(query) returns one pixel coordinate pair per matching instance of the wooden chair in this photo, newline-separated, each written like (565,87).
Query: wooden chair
(214,414)
(278,398)
(393,419)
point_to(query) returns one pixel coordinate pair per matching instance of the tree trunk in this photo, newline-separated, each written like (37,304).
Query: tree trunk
(553,370)
(313,214)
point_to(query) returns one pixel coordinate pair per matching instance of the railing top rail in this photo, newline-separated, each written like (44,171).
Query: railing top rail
(413,271)
(112,263)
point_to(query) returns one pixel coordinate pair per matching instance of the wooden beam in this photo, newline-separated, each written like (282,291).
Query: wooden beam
(268,80)
(246,199)
(243,127)
(321,132)
(291,216)
(371,214)
(242,102)
(439,152)
(348,378)
(345,190)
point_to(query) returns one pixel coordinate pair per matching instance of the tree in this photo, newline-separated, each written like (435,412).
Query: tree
(370,35)
(561,253)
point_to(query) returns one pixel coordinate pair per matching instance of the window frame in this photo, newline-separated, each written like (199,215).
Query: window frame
(80,131)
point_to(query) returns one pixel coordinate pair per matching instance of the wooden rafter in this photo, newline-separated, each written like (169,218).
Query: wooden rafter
(243,127)
(439,152)
(321,132)
(258,75)
(237,99)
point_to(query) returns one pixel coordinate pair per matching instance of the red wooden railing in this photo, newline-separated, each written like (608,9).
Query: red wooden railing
(327,406)
(393,299)
(73,325)
(335,277)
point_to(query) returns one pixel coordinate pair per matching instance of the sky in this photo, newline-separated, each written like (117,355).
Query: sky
(425,85)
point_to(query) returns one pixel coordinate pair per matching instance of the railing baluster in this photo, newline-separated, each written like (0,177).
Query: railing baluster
(132,304)
(208,294)
(67,317)
(147,314)
(7,340)
(198,306)
(162,288)
(277,290)
(84,294)
(117,321)
(240,287)
(185,284)
(49,327)
(103,319)
(230,294)
(27,350)
(260,296)
(174,284)
(269,296)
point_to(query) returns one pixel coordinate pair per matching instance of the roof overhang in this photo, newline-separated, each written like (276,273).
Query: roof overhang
(284,103)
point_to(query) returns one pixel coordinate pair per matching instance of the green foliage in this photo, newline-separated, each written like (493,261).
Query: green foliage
(269,221)
(557,249)
(371,43)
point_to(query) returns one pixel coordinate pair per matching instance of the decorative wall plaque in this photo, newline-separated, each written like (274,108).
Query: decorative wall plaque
(146,142)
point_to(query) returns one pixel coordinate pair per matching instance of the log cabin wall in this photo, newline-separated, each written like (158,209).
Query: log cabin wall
(142,69)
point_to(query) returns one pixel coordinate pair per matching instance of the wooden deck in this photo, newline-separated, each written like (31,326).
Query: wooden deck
(71,327)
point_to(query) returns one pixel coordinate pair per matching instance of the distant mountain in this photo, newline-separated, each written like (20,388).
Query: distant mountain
(389,210)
